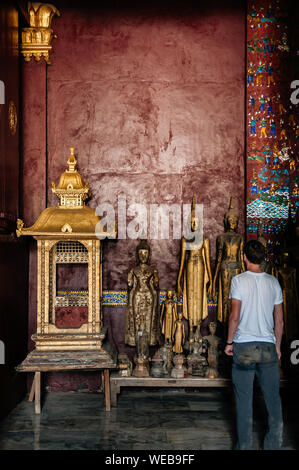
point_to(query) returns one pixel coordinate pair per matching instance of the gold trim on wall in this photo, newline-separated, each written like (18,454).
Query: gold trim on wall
(12,117)
(37,39)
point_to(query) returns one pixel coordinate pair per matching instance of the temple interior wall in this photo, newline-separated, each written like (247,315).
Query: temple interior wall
(152,99)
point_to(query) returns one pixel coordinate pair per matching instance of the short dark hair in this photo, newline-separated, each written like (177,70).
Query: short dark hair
(255,252)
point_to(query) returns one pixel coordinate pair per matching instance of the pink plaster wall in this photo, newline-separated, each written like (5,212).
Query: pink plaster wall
(153,102)
(152,99)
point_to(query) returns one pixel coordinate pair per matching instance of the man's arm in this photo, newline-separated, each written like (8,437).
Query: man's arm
(233,325)
(278,327)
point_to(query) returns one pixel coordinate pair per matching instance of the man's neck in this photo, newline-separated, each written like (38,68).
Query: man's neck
(254,268)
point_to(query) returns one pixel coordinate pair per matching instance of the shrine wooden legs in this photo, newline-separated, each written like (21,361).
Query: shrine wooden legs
(35,392)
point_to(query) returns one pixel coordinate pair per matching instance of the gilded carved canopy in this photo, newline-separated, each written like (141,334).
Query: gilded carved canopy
(71,215)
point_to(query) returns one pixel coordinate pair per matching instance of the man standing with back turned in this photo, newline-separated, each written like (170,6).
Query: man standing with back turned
(254,338)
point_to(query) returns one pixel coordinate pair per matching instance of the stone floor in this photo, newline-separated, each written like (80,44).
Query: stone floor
(144,420)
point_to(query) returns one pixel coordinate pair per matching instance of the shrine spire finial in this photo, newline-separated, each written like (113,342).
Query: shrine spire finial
(71,190)
(72,162)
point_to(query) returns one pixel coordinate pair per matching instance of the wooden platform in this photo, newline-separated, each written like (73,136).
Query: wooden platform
(40,361)
(116,382)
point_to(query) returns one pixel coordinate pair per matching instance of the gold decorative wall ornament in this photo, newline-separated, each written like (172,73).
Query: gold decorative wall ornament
(12,117)
(36,40)
(68,235)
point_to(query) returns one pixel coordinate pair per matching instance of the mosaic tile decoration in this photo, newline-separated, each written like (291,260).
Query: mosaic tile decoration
(119,298)
(267,208)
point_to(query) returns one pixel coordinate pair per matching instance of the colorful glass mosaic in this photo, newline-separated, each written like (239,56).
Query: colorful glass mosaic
(272,135)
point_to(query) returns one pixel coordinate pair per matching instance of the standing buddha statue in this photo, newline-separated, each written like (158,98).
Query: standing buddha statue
(229,261)
(195,269)
(143,299)
(168,316)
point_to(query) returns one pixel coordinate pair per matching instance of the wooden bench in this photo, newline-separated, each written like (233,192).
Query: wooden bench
(55,361)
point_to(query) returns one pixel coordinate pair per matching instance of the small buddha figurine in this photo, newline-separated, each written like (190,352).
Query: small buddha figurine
(158,368)
(197,362)
(213,352)
(229,261)
(179,371)
(190,343)
(286,276)
(168,355)
(143,298)
(179,334)
(195,269)
(168,316)
(162,361)
(125,365)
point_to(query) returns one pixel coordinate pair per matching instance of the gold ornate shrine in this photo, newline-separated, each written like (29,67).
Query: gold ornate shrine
(69,248)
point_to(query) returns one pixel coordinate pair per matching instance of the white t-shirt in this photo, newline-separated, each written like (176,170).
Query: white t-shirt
(258,292)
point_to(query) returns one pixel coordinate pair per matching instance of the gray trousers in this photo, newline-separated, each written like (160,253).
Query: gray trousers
(258,358)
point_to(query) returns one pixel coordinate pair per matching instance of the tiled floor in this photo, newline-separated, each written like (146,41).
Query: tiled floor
(144,420)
